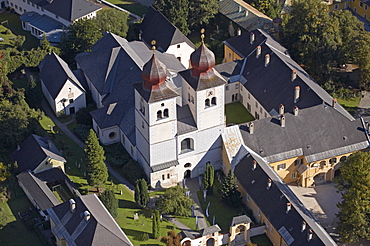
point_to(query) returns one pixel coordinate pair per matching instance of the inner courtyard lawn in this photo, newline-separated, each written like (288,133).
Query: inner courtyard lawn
(131,6)
(236,113)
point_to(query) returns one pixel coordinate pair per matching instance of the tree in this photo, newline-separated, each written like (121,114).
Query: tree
(173,239)
(112,20)
(270,8)
(209,176)
(97,172)
(201,11)
(156,224)
(110,201)
(4,172)
(141,193)
(176,11)
(354,210)
(230,194)
(18,41)
(174,201)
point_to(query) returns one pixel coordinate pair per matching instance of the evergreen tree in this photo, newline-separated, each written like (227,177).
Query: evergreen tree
(176,11)
(230,194)
(354,210)
(174,201)
(141,193)
(156,224)
(201,11)
(110,201)
(209,176)
(97,172)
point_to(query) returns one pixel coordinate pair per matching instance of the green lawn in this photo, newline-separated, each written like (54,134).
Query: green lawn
(236,113)
(131,6)
(188,221)
(261,240)
(350,104)
(15,25)
(13,227)
(223,213)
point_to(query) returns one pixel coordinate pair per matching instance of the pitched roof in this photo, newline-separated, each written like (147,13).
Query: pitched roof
(69,10)
(203,81)
(38,190)
(272,85)
(37,147)
(244,15)
(108,116)
(54,72)
(289,224)
(209,230)
(158,93)
(240,220)
(100,229)
(243,45)
(54,176)
(185,120)
(155,26)
(317,133)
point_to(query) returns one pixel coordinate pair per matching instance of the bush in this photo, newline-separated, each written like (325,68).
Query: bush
(143,237)
(133,171)
(81,131)
(83,116)
(7,31)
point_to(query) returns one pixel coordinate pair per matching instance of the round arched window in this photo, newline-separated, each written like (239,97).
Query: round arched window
(187,165)
(112,135)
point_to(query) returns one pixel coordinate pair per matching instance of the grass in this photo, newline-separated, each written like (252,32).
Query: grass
(236,113)
(13,227)
(261,240)
(188,221)
(15,25)
(131,6)
(223,213)
(350,104)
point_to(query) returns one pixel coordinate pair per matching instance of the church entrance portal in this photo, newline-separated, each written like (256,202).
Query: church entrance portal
(210,242)
(187,174)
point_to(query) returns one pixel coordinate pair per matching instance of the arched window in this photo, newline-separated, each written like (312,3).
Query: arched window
(213,101)
(187,144)
(165,113)
(189,97)
(206,103)
(142,108)
(187,165)
(343,158)
(159,114)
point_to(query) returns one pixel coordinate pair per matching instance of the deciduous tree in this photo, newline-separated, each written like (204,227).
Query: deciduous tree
(201,11)
(176,11)
(108,198)
(354,210)
(112,20)
(174,201)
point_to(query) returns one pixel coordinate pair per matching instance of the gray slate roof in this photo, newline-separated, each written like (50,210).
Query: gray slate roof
(318,132)
(38,148)
(209,230)
(54,176)
(54,72)
(165,165)
(155,26)
(29,16)
(100,229)
(108,116)
(67,9)
(47,24)
(185,120)
(279,194)
(162,92)
(204,81)
(250,21)
(38,190)
(242,219)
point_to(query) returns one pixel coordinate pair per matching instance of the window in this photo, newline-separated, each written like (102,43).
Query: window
(249,96)
(165,113)
(178,46)
(294,175)
(33,5)
(186,144)
(20,8)
(112,135)
(297,162)
(343,158)
(11,4)
(189,97)
(142,108)
(265,115)
(256,104)
(70,100)
(229,55)
(206,103)
(237,86)
(261,110)
(355,9)
(227,87)
(179,58)
(42,9)
(213,101)
(281,166)
(159,114)
(16,6)
(271,229)
(168,176)
(132,150)
(361,4)
(333,160)
(248,107)
(57,17)
(247,197)
(365,16)
(163,177)
(365,6)
(335,6)
(142,124)
(322,163)
(259,213)
(187,165)
(192,99)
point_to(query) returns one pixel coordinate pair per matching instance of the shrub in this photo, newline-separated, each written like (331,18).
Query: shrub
(143,237)
(133,171)
(81,131)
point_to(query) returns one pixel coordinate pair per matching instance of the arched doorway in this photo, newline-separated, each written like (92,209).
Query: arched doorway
(210,242)
(336,173)
(186,243)
(187,174)
(320,178)
(239,233)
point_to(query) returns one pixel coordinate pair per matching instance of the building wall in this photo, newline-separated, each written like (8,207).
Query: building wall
(107,135)
(74,96)
(230,55)
(357,6)
(182,52)
(48,97)
(48,163)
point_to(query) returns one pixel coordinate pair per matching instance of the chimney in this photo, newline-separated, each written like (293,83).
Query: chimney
(309,235)
(288,207)
(282,120)
(281,109)
(303,226)
(239,32)
(295,110)
(240,9)
(251,127)
(296,94)
(254,165)
(258,51)
(269,183)
(334,102)
(246,13)
(267,60)
(86,215)
(252,37)
(72,205)
(294,75)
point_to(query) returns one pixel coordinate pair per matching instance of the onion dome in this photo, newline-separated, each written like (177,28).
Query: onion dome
(202,59)
(154,72)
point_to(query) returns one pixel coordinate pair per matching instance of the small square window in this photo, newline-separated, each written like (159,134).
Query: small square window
(227,87)
(256,104)
(297,162)
(178,46)
(261,110)
(70,100)
(281,166)
(237,86)
(294,175)
(249,96)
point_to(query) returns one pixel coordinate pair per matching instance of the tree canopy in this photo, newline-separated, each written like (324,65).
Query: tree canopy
(108,198)
(174,201)
(230,194)
(270,8)
(209,176)
(141,193)
(354,210)
(156,224)
(97,172)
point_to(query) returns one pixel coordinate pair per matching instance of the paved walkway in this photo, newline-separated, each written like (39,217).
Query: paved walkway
(193,185)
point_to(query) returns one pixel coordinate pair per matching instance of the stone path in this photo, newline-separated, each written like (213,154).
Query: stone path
(193,185)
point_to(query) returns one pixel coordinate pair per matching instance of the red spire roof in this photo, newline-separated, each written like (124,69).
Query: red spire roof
(154,72)
(202,59)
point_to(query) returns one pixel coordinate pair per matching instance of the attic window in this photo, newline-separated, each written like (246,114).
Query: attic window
(178,46)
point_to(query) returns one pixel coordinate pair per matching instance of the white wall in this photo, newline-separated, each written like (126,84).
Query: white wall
(48,97)
(182,50)
(104,137)
(70,91)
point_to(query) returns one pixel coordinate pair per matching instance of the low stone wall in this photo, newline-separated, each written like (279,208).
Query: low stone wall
(255,231)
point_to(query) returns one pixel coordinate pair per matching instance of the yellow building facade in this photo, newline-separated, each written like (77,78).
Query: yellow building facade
(357,6)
